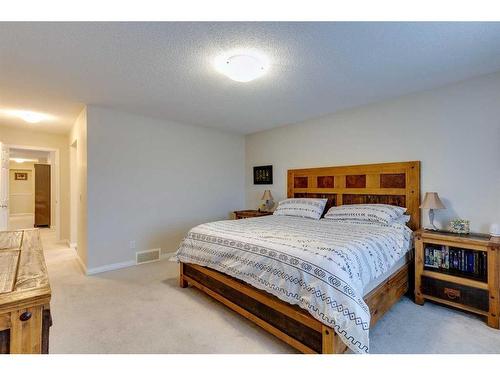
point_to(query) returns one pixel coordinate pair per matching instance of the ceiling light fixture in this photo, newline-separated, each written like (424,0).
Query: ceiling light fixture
(23,160)
(28,116)
(242,66)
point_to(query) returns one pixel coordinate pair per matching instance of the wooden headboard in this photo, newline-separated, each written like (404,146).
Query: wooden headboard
(388,183)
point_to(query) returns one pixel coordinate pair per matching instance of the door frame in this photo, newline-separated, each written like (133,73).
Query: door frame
(74,195)
(56,191)
(4,187)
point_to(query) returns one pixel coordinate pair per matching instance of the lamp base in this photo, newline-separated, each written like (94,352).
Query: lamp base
(431,220)
(433,229)
(268,206)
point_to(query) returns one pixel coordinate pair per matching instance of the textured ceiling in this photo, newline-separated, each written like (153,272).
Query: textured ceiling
(164,70)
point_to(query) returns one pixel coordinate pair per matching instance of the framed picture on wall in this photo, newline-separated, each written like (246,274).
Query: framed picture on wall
(23,176)
(263,175)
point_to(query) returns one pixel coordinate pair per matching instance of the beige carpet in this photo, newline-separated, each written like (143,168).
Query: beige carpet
(142,310)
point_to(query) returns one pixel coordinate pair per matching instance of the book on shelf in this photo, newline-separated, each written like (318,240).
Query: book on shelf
(456,260)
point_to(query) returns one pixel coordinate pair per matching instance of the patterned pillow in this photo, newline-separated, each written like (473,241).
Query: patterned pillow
(302,207)
(381,213)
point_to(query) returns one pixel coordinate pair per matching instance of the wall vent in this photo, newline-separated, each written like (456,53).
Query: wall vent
(147,256)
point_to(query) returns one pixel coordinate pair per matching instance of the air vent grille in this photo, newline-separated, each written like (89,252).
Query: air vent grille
(147,256)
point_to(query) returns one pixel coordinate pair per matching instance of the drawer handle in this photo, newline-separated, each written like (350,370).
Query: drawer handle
(452,293)
(25,316)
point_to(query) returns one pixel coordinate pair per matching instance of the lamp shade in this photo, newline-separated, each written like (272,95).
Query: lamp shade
(267,196)
(431,200)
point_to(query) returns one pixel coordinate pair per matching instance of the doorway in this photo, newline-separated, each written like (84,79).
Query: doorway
(33,188)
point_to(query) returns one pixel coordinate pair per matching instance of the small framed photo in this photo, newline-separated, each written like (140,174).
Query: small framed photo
(23,176)
(263,175)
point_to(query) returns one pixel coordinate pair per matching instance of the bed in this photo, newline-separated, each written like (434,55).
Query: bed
(316,284)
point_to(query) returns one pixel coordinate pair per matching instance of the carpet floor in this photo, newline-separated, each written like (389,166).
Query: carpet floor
(142,310)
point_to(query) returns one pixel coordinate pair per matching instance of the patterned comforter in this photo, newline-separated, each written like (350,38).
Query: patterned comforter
(320,265)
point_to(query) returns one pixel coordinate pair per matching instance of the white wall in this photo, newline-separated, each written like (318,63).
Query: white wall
(78,135)
(21,192)
(150,181)
(454,131)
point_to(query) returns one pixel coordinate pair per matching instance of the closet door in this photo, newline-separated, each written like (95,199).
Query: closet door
(42,195)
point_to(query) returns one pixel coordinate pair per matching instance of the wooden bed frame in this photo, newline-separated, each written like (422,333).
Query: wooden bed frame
(389,183)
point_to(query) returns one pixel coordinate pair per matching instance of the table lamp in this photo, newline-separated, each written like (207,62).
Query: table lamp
(268,204)
(432,202)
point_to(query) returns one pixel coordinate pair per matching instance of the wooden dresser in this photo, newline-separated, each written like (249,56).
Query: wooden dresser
(24,294)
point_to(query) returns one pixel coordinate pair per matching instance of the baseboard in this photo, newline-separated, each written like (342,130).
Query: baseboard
(21,214)
(110,267)
(71,245)
(80,263)
(117,266)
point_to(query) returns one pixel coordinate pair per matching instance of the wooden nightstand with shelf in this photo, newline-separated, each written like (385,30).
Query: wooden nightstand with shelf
(246,214)
(461,271)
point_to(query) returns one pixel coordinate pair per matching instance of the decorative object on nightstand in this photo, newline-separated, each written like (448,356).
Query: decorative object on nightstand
(432,202)
(246,214)
(495,229)
(267,201)
(460,226)
(459,270)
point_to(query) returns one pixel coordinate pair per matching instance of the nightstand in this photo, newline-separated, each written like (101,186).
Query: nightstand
(246,214)
(461,271)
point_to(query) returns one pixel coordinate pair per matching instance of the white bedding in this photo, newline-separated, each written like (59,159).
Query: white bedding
(321,265)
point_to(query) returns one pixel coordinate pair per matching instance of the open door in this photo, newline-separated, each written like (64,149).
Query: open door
(4,187)
(42,195)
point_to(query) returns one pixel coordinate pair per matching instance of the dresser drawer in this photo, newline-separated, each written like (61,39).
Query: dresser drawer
(464,295)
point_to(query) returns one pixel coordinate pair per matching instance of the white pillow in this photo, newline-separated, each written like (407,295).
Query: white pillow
(381,213)
(302,207)
(404,219)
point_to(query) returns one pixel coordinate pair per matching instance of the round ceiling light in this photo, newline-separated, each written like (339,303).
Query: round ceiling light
(242,67)
(28,116)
